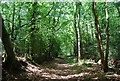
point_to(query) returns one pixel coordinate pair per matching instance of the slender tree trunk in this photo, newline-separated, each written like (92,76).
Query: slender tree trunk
(75,27)
(79,32)
(12,31)
(13,18)
(32,30)
(98,35)
(53,32)
(107,38)
(49,38)
(19,16)
(17,32)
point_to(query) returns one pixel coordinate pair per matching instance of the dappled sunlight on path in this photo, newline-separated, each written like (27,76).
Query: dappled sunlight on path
(59,70)
(62,70)
(55,70)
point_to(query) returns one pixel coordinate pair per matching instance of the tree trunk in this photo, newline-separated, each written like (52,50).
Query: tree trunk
(17,32)
(13,18)
(12,30)
(98,35)
(32,30)
(75,27)
(79,32)
(53,32)
(11,61)
(107,38)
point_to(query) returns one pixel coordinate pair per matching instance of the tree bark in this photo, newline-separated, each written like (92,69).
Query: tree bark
(32,30)
(13,18)
(107,38)
(11,61)
(7,44)
(76,33)
(79,32)
(53,32)
(98,34)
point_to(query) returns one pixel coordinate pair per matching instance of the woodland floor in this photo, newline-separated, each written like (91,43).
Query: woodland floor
(59,70)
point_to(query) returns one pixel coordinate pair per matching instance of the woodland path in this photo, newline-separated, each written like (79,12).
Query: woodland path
(59,70)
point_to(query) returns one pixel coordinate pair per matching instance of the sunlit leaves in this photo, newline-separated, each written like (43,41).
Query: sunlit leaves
(58,24)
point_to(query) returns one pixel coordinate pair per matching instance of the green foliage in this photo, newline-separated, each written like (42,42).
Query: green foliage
(87,64)
(70,60)
(54,32)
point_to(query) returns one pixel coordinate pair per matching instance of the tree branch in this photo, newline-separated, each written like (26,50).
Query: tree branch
(32,20)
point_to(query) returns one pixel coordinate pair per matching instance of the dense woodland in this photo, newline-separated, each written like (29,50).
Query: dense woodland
(60,40)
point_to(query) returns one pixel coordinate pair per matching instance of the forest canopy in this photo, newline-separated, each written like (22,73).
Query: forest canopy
(75,31)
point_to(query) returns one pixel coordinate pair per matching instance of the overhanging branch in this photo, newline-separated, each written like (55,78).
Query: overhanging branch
(32,20)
